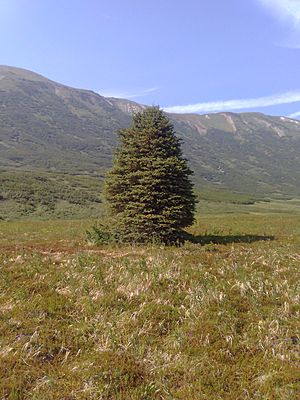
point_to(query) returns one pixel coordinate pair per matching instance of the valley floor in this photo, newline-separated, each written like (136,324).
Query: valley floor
(214,319)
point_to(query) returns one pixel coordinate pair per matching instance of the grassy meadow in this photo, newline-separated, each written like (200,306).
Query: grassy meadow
(217,318)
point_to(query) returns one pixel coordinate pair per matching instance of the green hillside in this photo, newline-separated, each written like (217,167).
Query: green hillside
(51,126)
(46,126)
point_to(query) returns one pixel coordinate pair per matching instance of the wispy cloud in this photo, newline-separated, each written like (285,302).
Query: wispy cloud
(284,9)
(128,95)
(238,104)
(294,115)
(288,12)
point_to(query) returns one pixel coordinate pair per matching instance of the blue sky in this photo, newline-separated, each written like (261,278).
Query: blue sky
(186,56)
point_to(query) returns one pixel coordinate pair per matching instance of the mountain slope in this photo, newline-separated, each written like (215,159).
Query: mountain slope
(49,126)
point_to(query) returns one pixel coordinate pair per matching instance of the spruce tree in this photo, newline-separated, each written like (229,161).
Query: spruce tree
(148,188)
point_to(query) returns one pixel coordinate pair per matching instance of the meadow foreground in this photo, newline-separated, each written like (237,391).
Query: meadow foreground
(214,319)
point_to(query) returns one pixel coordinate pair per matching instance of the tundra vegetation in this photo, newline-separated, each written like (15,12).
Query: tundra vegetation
(217,318)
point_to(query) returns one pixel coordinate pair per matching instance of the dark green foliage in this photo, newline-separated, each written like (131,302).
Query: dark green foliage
(148,187)
(102,234)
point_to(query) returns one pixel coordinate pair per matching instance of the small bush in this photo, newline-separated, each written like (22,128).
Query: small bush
(102,234)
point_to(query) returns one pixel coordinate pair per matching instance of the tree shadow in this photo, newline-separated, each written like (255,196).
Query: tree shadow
(226,239)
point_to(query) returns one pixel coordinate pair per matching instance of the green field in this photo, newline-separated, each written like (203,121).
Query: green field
(217,318)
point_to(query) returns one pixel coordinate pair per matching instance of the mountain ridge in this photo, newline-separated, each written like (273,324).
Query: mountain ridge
(50,126)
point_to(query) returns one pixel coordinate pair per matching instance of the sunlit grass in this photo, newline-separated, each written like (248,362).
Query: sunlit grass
(213,321)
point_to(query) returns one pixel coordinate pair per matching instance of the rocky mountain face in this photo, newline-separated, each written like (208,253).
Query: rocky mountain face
(48,126)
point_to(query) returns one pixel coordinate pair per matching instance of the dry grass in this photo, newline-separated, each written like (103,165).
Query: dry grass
(214,321)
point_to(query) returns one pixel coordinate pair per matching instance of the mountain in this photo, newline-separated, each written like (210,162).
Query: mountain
(47,126)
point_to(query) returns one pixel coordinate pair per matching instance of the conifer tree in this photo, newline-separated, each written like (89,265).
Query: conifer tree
(148,187)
